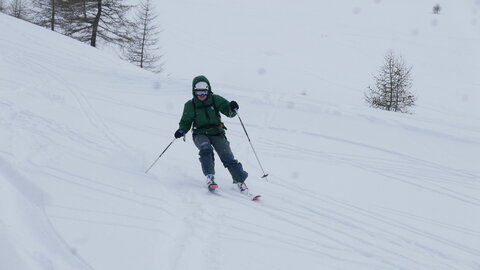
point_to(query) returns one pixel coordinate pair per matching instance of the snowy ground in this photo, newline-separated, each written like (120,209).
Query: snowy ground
(349,187)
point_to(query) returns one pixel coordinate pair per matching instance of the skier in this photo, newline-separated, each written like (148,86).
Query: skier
(203,112)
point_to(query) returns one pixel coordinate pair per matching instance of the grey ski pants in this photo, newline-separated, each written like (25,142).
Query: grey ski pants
(206,144)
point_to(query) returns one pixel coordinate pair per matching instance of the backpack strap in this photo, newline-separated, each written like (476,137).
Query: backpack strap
(216,109)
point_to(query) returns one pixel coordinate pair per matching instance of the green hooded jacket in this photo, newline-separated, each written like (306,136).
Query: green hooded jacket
(205,115)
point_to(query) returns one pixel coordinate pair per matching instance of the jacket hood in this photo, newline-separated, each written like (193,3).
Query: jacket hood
(201,78)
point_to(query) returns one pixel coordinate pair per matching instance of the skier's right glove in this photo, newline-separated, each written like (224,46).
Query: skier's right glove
(179,133)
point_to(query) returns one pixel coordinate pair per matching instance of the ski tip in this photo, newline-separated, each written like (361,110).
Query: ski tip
(212,188)
(256,198)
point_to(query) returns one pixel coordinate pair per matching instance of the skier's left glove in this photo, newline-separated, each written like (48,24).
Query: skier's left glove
(179,133)
(233,105)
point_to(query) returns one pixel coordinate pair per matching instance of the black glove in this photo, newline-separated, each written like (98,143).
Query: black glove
(179,133)
(233,105)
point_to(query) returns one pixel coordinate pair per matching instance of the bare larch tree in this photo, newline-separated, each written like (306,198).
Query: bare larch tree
(144,48)
(19,9)
(91,20)
(391,90)
(45,12)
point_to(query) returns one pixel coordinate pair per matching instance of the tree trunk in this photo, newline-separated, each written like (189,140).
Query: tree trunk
(53,15)
(144,37)
(93,40)
(391,87)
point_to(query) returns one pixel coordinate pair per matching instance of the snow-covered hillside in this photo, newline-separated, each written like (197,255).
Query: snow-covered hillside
(349,187)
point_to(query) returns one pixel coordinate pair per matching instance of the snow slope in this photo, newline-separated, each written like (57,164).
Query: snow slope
(349,187)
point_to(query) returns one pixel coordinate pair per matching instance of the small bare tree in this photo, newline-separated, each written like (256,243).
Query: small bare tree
(391,90)
(437,8)
(143,49)
(19,9)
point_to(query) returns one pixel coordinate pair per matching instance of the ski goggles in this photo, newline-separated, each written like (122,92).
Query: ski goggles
(202,92)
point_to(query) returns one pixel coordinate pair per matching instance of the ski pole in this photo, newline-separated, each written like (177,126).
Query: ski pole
(160,155)
(250,141)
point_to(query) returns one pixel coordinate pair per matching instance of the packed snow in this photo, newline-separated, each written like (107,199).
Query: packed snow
(349,187)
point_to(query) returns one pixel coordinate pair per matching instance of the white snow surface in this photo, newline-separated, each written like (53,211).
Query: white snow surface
(350,187)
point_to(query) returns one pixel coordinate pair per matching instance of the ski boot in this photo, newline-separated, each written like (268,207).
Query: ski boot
(211,185)
(242,187)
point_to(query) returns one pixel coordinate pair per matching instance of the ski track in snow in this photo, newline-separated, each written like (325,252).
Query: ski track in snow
(399,167)
(52,251)
(87,109)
